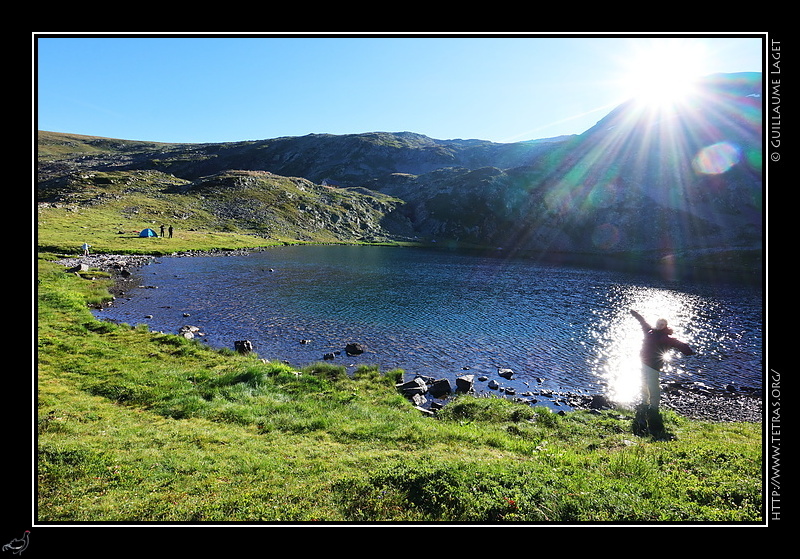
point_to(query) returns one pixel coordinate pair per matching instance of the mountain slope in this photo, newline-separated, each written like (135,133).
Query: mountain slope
(640,182)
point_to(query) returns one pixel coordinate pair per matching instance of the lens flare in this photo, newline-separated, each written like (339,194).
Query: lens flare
(716,158)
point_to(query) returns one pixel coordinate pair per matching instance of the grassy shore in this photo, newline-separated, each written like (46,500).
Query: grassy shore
(140,426)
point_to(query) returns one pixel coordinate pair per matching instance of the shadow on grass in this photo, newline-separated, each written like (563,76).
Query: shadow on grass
(649,422)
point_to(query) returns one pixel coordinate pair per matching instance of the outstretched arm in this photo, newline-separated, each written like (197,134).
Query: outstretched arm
(682,347)
(642,321)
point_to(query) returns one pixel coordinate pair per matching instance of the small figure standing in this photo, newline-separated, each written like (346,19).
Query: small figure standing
(86,247)
(162,230)
(658,341)
(170,231)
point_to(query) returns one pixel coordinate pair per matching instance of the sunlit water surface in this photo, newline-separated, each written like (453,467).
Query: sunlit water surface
(444,314)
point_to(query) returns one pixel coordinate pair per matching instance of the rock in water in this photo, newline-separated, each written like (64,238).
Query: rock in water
(465,383)
(506,373)
(354,349)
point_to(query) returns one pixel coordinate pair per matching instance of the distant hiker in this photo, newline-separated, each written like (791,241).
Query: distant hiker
(657,342)
(162,230)
(85,248)
(170,231)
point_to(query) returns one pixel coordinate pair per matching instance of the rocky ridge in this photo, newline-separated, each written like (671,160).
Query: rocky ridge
(599,194)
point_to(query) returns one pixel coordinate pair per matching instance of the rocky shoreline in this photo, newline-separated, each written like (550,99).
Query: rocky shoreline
(689,399)
(120,267)
(706,404)
(693,400)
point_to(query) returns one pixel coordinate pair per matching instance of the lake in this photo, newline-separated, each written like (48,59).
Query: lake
(446,313)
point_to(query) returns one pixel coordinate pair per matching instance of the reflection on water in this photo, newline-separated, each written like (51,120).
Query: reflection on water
(441,314)
(619,336)
(725,333)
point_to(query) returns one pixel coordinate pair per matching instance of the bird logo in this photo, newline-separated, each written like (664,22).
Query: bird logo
(18,545)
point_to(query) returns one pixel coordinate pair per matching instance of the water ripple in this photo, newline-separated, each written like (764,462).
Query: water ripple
(441,313)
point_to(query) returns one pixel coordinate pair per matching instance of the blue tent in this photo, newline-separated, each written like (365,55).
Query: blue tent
(148,233)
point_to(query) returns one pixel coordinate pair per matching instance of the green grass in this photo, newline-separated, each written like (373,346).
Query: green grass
(140,426)
(232,210)
(109,228)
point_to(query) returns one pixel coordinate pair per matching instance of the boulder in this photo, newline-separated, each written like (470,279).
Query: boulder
(412,387)
(465,383)
(599,401)
(418,400)
(243,346)
(440,387)
(506,373)
(187,331)
(354,349)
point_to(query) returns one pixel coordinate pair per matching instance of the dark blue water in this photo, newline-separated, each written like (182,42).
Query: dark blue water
(444,314)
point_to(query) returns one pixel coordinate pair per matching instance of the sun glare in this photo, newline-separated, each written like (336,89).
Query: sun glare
(660,74)
(618,336)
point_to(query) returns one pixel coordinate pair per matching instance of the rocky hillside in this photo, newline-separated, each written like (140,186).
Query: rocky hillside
(653,185)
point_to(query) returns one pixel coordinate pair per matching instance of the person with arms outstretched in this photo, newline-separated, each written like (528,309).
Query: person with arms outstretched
(657,342)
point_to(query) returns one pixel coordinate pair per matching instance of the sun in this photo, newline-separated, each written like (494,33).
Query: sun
(660,86)
(661,73)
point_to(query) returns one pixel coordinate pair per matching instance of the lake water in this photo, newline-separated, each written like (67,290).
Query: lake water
(443,314)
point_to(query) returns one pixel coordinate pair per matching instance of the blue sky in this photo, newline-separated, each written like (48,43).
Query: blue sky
(224,88)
